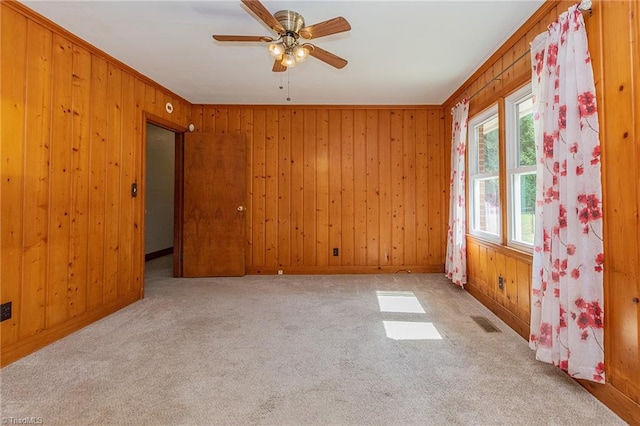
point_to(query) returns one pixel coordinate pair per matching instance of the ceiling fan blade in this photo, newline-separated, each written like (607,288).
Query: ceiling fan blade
(264,39)
(265,16)
(278,67)
(332,26)
(324,56)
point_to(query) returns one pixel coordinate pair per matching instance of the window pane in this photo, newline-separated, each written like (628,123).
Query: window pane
(487,205)
(487,139)
(527,144)
(524,207)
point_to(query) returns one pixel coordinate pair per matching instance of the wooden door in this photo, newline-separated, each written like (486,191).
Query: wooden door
(214,197)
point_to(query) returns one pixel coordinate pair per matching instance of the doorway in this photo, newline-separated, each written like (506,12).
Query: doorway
(163,207)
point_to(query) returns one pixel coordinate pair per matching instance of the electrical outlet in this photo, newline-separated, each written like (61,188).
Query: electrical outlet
(280,272)
(335,251)
(501,282)
(5,311)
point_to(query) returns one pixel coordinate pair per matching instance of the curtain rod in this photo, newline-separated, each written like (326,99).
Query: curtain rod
(584,6)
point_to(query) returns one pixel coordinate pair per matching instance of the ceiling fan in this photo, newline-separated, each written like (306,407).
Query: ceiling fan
(287,48)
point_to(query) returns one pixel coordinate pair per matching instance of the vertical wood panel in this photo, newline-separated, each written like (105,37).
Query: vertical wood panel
(127,202)
(60,182)
(13,174)
(97,188)
(322,181)
(284,189)
(78,238)
(501,270)
(482,268)
(136,284)
(438,204)
(114,184)
(247,125)
(271,187)
(492,275)
(335,183)
(523,280)
(397,189)
(258,213)
(36,185)
(511,285)
(386,188)
(297,187)
(373,189)
(360,187)
(409,183)
(309,186)
(347,248)
(423,139)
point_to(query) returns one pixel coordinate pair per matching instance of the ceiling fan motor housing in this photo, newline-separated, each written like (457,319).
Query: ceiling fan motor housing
(290,20)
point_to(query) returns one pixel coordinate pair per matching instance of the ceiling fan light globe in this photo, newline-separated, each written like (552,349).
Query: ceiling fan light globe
(289,60)
(300,53)
(276,50)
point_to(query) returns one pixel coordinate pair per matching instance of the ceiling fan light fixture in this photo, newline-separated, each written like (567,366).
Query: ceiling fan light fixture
(300,53)
(276,50)
(289,60)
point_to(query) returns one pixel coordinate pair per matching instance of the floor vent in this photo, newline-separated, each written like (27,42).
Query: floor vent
(486,324)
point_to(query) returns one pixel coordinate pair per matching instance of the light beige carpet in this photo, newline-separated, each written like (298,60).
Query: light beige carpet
(294,350)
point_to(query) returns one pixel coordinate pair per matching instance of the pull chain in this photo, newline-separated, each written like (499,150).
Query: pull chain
(288,96)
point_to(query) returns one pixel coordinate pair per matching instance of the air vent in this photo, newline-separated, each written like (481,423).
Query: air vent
(486,324)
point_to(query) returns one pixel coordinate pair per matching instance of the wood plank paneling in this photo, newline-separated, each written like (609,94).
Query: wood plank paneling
(36,200)
(324,178)
(373,188)
(384,155)
(60,182)
(335,182)
(71,144)
(127,177)
(410,184)
(397,189)
(114,186)
(79,231)
(620,203)
(284,189)
(360,187)
(322,188)
(297,187)
(13,44)
(347,247)
(271,185)
(309,196)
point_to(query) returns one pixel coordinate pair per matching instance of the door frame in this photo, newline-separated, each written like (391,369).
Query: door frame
(178,193)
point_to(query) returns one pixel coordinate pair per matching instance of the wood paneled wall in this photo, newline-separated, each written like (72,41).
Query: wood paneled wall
(614,32)
(72,145)
(367,181)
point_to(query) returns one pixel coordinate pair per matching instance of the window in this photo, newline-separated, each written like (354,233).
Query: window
(521,169)
(484,180)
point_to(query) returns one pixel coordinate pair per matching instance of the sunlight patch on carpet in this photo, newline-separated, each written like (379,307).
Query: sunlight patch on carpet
(399,301)
(405,330)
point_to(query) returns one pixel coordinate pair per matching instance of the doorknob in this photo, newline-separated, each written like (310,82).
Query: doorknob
(240,208)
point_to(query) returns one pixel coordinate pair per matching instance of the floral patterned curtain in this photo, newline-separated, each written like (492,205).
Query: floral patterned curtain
(567,293)
(456,260)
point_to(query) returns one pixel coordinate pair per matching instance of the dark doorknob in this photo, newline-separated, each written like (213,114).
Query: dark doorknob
(635,300)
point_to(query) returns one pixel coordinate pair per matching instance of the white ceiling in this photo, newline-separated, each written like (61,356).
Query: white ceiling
(399,52)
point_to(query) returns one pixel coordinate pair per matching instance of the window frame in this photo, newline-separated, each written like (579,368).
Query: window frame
(472,166)
(513,169)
